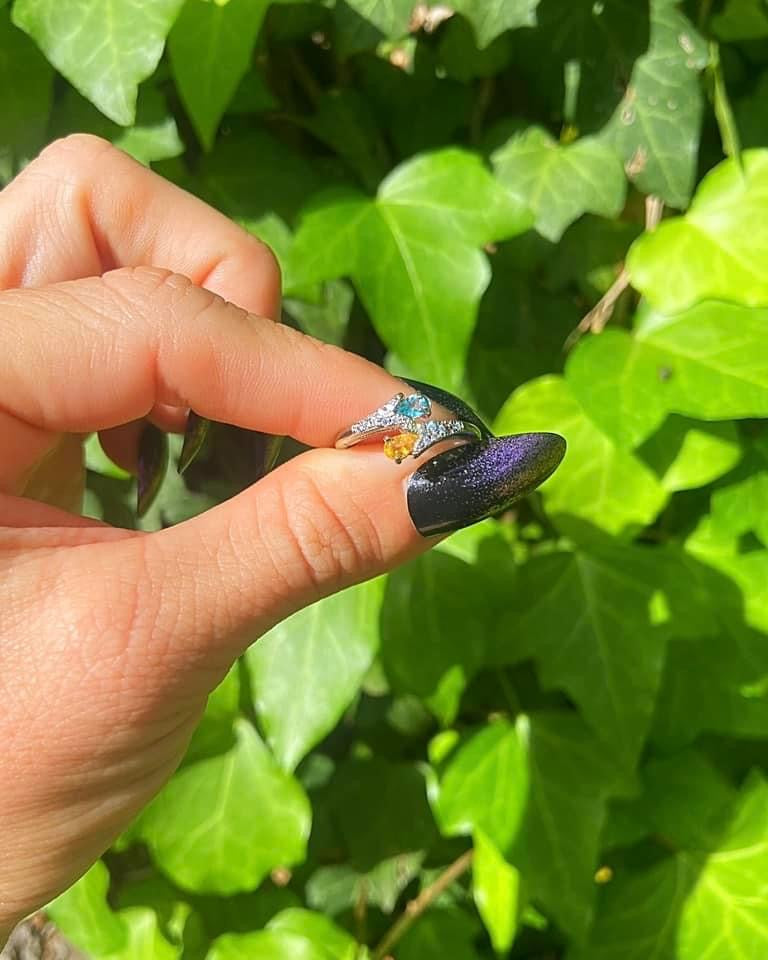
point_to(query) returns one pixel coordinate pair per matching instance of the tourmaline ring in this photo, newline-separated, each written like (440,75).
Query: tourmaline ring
(403,424)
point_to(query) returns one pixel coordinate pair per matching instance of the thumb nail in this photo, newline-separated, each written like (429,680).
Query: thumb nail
(477,480)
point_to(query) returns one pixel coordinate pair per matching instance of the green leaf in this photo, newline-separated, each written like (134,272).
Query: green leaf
(686,454)
(727,912)
(656,126)
(434,622)
(485,785)
(25,72)
(145,941)
(413,254)
(639,915)
(361,24)
(558,182)
(492,17)
(221,824)
(254,174)
(210,47)
(686,800)
(436,930)
(716,674)
(333,942)
(265,945)
(692,906)
(105,48)
(571,779)
(380,810)
(153,136)
(337,888)
(83,914)
(716,251)
(586,619)
(739,506)
(704,363)
(329,645)
(496,890)
(741,20)
(597,481)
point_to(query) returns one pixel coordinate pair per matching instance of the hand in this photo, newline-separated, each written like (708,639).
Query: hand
(115,309)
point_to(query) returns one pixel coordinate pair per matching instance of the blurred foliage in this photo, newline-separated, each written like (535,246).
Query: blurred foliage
(578,691)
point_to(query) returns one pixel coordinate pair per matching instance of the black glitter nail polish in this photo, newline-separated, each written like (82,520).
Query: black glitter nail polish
(476,480)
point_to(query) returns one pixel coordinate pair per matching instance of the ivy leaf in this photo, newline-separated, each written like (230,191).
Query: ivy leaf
(265,945)
(586,619)
(639,914)
(439,606)
(717,664)
(361,24)
(492,17)
(704,362)
(436,929)
(83,914)
(559,182)
(597,480)
(413,254)
(221,824)
(330,646)
(380,811)
(695,905)
(210,48)
(686,454)
(485,785)
(656,126)
(496,889)
(571,780)
(23,70)
(337,888)
(105,48)
(333,942)
(153,136)
(145,940)
(718,249)
(739,506)
(741,20)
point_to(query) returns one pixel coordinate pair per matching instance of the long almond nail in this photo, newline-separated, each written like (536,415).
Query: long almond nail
(477,480)
(153,462)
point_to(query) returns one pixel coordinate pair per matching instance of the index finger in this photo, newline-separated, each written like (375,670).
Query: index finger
(83,207)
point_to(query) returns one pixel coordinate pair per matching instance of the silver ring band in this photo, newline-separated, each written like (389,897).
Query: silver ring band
(403,426)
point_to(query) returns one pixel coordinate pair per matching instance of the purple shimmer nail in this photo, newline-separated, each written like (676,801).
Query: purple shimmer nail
(479,479)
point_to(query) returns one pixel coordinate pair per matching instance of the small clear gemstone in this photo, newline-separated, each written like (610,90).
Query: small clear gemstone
(415,405)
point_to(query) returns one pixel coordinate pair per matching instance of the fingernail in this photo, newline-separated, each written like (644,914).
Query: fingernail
(450,401)
(153,462)
(479,479)
(195,436)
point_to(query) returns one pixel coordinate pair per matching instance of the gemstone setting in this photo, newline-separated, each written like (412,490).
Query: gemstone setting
(400,446)
(415,405)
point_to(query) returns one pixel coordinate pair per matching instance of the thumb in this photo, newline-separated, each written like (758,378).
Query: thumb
(92,354)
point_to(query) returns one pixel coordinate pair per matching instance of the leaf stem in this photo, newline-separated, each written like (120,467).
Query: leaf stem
(601,313)
(729,134)
(414,908)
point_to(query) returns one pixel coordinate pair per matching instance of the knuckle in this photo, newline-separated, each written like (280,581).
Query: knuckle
(74,150)
(269,266)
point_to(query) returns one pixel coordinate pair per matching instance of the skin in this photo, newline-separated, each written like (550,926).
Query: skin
(117,305)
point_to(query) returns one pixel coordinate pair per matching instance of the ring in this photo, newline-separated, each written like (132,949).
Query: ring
(403,425)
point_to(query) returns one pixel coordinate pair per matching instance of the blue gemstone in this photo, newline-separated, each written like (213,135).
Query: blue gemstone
(416,405)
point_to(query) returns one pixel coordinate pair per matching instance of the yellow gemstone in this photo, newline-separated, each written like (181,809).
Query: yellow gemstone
(399,447)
